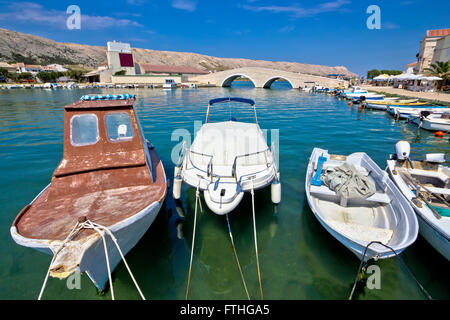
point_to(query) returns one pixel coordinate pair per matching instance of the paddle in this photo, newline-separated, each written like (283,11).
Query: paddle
(420,195)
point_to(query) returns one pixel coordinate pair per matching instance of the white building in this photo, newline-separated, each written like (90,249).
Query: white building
(442,50)
(54,67)
(120,58)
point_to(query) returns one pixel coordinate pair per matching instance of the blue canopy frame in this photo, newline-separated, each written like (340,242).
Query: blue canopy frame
(229,99)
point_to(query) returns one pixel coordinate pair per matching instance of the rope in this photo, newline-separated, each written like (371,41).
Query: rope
(256,241)
(121,255)
(237,259)
(197,199)
(74,230)
(98,228)
(398,257)
(102,234)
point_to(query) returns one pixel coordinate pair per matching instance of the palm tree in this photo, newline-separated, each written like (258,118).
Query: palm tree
(440,69)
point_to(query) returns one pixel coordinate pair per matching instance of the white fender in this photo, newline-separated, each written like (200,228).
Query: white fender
(275,190)
(177,181)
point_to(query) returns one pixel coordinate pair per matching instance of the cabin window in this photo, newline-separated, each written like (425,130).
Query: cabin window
(118,126)
(84,130)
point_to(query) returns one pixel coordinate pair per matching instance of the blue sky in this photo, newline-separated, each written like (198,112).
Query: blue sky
(327,32)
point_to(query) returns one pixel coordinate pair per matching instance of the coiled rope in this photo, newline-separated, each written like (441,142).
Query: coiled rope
(398,257)
(101,230)
(237,259)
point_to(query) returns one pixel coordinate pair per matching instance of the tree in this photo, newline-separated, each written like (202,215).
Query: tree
(75,74)
(120,73)
(25,75)
(4,73)
(439,69)
(373,73)
(391,72)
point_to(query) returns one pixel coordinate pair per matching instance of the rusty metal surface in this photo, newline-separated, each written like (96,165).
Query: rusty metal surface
(107,182)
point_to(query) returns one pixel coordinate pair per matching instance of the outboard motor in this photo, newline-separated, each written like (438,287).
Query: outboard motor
(402,149)
(424,113)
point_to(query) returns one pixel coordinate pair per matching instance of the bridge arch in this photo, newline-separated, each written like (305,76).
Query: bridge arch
(271,80)
(229,79)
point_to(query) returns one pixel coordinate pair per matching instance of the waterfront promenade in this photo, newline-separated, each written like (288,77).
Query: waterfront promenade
(431,96)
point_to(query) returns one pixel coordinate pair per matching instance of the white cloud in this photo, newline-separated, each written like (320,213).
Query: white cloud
(389,25)
(187,5)
(298,11)
(136,2)
(33,13)
(287,29)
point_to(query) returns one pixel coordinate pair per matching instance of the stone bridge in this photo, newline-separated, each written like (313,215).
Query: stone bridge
(264,77)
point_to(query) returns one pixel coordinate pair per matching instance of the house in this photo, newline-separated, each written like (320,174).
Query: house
(427,48)
(20,67)
(170,70)
(54,68)
(8,67)
(409,68)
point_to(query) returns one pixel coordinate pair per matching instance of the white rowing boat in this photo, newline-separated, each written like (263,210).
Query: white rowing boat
(383,216)
(429,175)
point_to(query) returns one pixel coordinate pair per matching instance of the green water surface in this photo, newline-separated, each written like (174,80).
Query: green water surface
(298,258)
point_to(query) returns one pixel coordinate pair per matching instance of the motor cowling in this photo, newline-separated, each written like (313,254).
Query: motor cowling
(402,149)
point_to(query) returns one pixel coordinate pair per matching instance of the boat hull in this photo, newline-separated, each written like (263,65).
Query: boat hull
(407,232)
(435,237)
(127,232)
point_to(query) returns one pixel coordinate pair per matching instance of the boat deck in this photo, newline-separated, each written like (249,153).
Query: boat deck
(105,196)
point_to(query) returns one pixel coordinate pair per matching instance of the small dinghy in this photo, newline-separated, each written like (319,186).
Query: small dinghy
(426,184)
(406,113)
(227,159)
(432,121)
(357,203)
(107,190)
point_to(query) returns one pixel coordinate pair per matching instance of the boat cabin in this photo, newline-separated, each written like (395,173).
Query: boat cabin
(108,171)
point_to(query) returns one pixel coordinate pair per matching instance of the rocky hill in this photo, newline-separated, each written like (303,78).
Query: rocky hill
(31,49)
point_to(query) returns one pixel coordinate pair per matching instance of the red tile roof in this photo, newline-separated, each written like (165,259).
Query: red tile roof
(438,33)
(171,69)
(411,64)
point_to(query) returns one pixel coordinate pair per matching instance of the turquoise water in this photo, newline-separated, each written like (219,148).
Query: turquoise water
(298,258)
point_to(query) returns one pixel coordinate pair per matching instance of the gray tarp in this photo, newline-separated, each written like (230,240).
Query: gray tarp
(348,183)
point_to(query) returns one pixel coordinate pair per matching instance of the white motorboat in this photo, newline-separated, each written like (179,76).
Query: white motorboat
(227,159)
(426,185)
(169,85)
(360,217)
(406,113)
(436,121)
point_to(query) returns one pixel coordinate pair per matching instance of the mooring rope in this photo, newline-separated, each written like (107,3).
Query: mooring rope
(197,199)
(74,230)
(256,241)
(87,224)
(398,257)
(236,256)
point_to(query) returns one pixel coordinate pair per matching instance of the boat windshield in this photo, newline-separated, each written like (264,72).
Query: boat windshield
(118,126)
(84,130)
